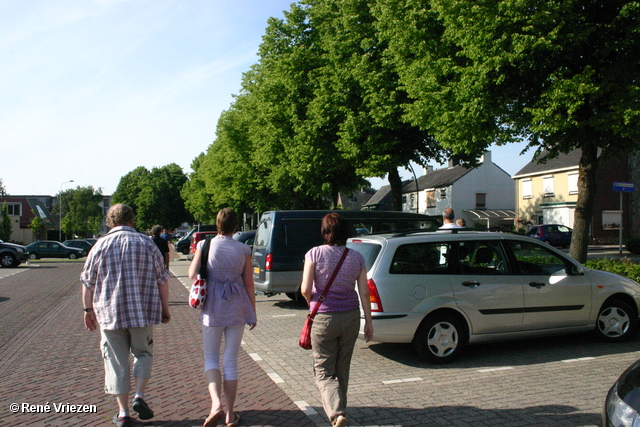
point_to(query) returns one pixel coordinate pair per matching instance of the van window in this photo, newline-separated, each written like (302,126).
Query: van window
(297,237)
(421,258)
(263,233)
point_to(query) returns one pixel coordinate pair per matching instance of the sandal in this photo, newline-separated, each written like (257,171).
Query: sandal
(235,421)
(213,418)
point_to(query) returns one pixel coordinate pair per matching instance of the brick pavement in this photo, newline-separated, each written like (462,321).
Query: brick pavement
(56,361)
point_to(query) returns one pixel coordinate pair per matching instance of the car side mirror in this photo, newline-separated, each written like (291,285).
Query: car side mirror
(573,270)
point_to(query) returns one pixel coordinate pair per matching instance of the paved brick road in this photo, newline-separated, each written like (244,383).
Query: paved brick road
(550,382)
(54,360)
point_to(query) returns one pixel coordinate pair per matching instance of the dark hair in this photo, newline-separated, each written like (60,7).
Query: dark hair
(156,230)
(119,214)
(335,229)
(227,221)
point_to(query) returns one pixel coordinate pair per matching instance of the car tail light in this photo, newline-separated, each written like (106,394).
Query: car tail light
(268,260)
(374,296)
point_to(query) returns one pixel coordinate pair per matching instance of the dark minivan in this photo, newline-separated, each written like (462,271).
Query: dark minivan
(284,237)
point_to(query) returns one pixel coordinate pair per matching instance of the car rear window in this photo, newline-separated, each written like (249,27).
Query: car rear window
(421,258)
(262,234)
(368,250)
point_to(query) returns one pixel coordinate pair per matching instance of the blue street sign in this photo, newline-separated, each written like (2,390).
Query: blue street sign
(625,187)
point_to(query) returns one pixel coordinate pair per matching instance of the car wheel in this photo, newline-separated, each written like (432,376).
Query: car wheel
(616,322)
(33,256)
(73,255)
(186,251)
(440,338)
(8,260)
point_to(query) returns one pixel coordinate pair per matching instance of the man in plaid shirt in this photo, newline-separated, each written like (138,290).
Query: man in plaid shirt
(125,292)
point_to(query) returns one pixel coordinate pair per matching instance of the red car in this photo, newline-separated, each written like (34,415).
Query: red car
(200,235)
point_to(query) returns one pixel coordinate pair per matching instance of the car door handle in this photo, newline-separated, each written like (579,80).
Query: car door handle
(471,283)
(536,284)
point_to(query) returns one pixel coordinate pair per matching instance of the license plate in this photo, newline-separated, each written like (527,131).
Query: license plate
(256,270)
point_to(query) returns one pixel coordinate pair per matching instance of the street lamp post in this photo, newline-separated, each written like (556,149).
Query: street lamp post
(60,202)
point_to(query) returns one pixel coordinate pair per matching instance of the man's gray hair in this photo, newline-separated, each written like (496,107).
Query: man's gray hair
(119,214)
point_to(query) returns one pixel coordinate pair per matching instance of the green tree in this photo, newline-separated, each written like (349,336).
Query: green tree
(154,196)
(83,211)
(159,200)
(361,95)
(561,75)
(3,189)
(36,224)
(5,224)
(129,187)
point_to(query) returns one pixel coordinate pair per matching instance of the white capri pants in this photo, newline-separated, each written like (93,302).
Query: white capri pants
(212,341)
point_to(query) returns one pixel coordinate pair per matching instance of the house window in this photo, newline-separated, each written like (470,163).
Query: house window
(14,209)
(527,189)
(547,186)
(431,199)
(443,193)
(611,220)
(481,200)
(572,183)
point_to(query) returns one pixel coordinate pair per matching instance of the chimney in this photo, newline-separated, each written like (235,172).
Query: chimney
(427,169)
(486,157)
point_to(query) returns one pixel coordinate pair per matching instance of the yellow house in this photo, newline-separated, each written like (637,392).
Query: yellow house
(547,193)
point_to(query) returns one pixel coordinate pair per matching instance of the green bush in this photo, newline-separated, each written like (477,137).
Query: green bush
(624,267)
(633,245)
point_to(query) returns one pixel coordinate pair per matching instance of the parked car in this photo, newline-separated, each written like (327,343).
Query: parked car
(79,243)
(91,240)
(622,406)
(12,255)
(183,245)
(553,234)
(441,291)
(283,237)
(245,237)
(53,249)
(197,237)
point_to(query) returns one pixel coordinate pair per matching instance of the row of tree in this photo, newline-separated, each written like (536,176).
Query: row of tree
(345,89)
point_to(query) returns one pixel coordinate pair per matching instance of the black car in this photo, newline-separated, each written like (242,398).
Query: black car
(622,407)
(12,255)
(183,245)
(79,243)
(53,249)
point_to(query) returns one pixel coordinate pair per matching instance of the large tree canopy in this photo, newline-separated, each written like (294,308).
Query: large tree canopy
(562,75)
(154,196)
(81,211)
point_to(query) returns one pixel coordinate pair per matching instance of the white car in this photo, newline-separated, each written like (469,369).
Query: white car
(443,290)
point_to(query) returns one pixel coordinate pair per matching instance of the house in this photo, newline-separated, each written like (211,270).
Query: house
(547,193)
(355,200)
(22,210)
(483,196)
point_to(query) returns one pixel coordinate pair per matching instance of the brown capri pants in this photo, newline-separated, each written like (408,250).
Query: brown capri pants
(333,337)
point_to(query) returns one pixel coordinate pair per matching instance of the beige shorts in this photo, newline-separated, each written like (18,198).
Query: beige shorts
(116,346)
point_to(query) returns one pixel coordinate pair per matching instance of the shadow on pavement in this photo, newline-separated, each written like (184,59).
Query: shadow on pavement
(512,353)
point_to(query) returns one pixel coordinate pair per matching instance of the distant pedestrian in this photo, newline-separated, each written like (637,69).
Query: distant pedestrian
(448,218)
(125,292)
(230,305)
(335,327)
(161,243)
(166,235)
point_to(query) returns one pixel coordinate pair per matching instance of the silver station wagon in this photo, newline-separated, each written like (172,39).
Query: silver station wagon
(443,290)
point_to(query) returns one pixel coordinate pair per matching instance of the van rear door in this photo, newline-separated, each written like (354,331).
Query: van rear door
(261,247)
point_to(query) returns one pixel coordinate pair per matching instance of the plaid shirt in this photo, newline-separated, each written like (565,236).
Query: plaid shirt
(124,269)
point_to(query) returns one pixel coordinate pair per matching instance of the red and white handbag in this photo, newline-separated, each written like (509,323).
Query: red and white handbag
(198,292)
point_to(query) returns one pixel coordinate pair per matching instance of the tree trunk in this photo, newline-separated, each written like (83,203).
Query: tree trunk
(584,207)
(396,190)
(334,197)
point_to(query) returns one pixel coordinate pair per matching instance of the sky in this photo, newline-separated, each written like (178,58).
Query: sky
(92,89)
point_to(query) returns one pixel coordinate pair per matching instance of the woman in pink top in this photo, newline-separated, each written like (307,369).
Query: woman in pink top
(335,327)
(229,306)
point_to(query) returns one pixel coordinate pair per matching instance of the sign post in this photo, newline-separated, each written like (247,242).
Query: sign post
(622,187)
